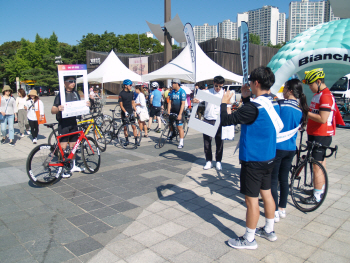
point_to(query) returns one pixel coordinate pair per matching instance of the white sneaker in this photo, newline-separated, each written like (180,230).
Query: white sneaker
(207,166)
(35,141)
(28,132)
(218,166)
(76,169)
(282,213)
(67,175)
(277,216)
(22,135)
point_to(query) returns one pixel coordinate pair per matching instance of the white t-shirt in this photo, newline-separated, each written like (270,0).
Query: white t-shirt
(212,112)
(39,105)
(141,100)
(20,102)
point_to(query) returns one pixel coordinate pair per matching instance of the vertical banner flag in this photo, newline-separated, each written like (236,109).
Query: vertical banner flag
(245,51)
(191,43)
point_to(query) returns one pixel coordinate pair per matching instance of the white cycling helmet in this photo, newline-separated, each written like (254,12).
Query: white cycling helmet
(155,85)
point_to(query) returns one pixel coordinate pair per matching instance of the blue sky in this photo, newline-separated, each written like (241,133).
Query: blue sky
(70,20)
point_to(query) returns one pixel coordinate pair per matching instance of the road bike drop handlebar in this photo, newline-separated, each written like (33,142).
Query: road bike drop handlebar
(312,145)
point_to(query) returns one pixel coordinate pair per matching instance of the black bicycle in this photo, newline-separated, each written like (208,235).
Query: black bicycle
(122,132)
(303,176)
(170,131)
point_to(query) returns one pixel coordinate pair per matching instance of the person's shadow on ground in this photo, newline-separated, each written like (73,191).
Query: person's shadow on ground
(207,212)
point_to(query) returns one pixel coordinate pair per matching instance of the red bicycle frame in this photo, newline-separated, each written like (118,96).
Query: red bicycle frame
(70,156)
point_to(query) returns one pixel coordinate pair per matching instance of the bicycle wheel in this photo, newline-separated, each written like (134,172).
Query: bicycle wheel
(108,131)
(52,139)
(38,169)
(302,186)
(125,136)
(164,136)
(185,127)
(237,128)
(99,137)
(91,154)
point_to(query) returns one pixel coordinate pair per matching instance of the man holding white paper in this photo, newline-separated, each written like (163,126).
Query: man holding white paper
(211,113)
(260,126)
(67,125)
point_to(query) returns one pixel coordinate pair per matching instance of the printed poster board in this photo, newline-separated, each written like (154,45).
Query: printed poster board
(73,108)
(200,125)
(139,65)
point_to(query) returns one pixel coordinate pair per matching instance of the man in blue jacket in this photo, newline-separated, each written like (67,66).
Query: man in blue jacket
(260,125)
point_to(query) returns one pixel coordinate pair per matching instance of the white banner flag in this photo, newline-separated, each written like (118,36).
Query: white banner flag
(191,43)
(245,51)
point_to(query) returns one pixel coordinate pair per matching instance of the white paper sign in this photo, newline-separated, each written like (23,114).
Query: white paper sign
(73,108)
(200,125)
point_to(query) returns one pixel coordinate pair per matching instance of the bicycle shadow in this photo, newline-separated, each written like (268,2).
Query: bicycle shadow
(208,212)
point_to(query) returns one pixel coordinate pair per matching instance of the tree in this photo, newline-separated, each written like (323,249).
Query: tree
(52,44)
(276,46)
(254,39)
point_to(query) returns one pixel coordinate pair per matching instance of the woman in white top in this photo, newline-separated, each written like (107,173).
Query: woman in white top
(33,104)
(141,108)
(8,110)
(21,101)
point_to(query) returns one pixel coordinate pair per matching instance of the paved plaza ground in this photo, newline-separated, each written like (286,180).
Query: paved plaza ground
(159,205)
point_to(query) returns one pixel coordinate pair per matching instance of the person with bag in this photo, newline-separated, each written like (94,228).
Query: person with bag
(141,109)
(211,113)
(8,114)
(35,113)
(21,101)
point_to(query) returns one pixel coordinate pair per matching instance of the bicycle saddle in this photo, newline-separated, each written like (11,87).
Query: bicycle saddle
(50,125)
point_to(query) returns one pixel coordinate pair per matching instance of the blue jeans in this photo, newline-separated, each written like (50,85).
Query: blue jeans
(283,162)
(8,120)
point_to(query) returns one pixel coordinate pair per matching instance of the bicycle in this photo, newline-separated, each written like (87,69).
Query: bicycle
(45,163)
(302,178)
(164,137)
(163,120)
(112,127)
(344,108)
(87,125)
(123,132)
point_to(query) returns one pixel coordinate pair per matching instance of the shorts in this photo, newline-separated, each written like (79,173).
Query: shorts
(155,111)
(318,153)
(173,118)
(68,129)
(253,180)
(125,120)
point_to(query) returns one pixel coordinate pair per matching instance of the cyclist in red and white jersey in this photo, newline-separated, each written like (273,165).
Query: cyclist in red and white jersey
(320,126)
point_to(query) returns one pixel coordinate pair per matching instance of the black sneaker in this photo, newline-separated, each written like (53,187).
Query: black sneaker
(3,141)
(311,200)
(308,192)
(12,143)
(158,130)
(126,143)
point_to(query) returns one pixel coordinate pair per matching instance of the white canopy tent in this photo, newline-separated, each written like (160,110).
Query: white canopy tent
(111,70)
(181,68)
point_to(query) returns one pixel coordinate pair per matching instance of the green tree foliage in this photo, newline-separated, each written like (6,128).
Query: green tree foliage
(36,60)
(254,39)
(276,46)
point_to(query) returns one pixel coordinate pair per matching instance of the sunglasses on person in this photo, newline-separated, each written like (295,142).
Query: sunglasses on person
(218,86)
(71,81)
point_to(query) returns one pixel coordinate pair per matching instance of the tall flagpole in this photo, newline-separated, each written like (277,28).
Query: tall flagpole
(167,37)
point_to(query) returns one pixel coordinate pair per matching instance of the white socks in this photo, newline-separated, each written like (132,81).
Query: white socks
(181,142)
(249,234)
(269,225)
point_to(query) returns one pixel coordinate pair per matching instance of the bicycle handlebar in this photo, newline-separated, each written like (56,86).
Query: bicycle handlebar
(311,145)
